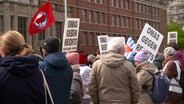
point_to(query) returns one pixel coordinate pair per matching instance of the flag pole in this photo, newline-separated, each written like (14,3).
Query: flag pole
(65,4)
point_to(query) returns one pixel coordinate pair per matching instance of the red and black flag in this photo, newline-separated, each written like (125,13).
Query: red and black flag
(42,19)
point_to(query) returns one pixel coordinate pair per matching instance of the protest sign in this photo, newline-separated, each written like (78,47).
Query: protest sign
(102,42)
(70,36)
(172,37)
(149,39)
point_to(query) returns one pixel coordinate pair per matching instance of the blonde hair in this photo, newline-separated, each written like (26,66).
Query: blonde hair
(13,41)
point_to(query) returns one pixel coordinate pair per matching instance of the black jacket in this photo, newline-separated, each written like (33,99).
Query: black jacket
(21,81)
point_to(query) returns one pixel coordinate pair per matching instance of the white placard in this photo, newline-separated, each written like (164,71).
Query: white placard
(70,36)
(149,39)
(172,37)
(102,42)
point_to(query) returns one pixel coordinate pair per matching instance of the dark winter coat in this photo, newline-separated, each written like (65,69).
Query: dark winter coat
(59,75)
(21,81)
(171,71)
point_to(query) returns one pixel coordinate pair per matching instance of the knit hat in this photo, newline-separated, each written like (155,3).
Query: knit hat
(142,55)
(51,45)
(73,58)
(169,51)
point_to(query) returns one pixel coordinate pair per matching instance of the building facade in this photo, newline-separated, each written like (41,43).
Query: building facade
(98,17)
(175,11)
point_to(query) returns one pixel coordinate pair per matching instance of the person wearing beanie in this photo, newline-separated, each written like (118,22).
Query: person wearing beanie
(76,92)
(110,76)
(172,71)
(144,68)
(57,69)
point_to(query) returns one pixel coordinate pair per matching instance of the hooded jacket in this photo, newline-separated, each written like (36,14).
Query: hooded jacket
(146,81)
(113,80)
(21,81)
(59,75)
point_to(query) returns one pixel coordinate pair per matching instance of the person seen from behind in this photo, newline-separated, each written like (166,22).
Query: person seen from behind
(91,59)
(144,69)
(21,81)
(57,69)
(113,80)
(173,72)
(76,92)
(158,61)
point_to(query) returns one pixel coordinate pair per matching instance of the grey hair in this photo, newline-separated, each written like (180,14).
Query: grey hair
(115,43)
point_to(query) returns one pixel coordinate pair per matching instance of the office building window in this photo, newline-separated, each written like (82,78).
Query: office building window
(92,0)
(149,9)
(146,7)
(123,21)
(58,7)
(113,20)
(137,7)
(143,6)
(41,36)
(90,16)
(127,22)
(97,1)
(84,39)
(123,5)
(69,9)
(84,15)
(59,29)
(118,21)
(1,24)
(102,19)
(114,3)
(97,17)
(91,39)
(137,23)
(140,6)
(157,11)
(12,22)
(119,3)
(22,26)
(97,34)
(127,4)
(140,24)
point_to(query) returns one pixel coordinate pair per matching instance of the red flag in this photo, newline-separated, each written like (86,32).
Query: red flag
(42,19)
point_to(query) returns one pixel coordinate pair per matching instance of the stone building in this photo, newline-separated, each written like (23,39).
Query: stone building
(98,17)
(175,11)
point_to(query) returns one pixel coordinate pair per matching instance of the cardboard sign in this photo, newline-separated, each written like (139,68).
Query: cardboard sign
(149,39)
(172,37)
(102,42)
(70,36)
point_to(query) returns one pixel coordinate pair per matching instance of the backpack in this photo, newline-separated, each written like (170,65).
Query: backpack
(160,87)
(181,81)
(76,91)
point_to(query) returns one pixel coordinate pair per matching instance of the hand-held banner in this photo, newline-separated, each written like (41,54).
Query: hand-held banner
(70,35)
(42,19)
(151,40)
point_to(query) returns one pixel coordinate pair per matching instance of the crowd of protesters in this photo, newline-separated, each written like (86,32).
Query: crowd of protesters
(54,77)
